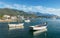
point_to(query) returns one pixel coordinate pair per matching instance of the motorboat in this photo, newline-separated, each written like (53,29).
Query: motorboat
(20,25)
(27,20)
(38,27)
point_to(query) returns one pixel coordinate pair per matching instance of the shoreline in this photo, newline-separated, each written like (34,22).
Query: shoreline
(9,20)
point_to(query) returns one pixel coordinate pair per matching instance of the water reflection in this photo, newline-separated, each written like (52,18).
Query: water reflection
(3,30)
(12,28)
(6,32)
(54,29)
(15,28)
(39,34)
(36,33)
(20,33)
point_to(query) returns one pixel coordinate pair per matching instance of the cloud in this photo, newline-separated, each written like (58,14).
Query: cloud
(31,8)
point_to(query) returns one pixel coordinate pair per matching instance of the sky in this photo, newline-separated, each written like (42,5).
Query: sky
(42,6)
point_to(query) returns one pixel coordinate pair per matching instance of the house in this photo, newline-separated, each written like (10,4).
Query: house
(20,17)
(6,17)
(13,17)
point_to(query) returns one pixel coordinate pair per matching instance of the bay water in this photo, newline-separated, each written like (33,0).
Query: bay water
(53,30)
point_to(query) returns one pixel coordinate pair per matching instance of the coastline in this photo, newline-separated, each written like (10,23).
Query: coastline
(9,20)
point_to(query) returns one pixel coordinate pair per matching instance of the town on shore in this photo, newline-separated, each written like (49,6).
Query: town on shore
(9,18)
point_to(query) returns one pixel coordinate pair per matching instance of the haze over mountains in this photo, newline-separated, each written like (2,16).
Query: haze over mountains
(20,12)
(43,14)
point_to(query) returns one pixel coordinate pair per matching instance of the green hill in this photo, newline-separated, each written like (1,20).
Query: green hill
(14,12)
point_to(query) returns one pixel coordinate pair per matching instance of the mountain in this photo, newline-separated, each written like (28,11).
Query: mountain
(45,15)
(15,12)
(10,11)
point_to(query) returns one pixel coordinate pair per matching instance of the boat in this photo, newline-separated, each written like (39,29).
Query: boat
(20,25)
(38,27)
(17,25)
(27,20)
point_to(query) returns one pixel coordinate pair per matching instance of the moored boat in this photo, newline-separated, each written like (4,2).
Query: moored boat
(27,20)
(38,27)
(20,25)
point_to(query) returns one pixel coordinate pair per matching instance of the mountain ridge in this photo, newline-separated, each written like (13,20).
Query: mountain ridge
(16,12)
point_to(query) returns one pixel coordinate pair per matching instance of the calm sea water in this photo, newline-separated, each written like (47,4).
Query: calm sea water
(53,30)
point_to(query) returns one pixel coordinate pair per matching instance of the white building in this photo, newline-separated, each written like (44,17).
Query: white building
(6,17)
(20,17)
(13,18)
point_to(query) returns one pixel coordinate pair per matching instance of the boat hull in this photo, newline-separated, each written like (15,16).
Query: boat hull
(16,25)
(38,28)
(27,20)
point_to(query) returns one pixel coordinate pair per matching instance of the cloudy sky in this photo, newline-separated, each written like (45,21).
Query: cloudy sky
(43,6)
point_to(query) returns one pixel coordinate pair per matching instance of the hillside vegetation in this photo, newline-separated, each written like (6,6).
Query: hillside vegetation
(14,12)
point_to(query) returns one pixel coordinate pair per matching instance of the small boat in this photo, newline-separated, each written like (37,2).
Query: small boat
(38,27)
(20,25)
(27,20)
